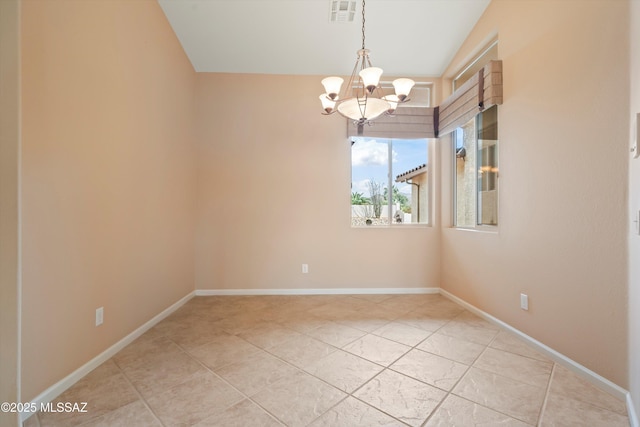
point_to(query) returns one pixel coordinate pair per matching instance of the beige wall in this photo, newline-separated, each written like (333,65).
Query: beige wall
(274,193)
(9,219)
(112,106)
(634,207)
(108,191)
(563,132)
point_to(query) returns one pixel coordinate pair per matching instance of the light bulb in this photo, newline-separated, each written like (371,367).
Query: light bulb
(393,103)
(403,87)
(370,77)
(332,86)
(327,104)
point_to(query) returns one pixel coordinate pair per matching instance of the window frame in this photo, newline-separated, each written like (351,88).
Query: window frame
(477,226)
(480,167)
(391,182)
(490,52)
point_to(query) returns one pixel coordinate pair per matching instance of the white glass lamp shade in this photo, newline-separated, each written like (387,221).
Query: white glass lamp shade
(393,103)
(364,108)
(403,87)
(327,104)
(370,77)
(332,86)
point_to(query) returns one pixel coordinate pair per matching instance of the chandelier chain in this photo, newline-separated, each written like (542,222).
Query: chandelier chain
(363,19)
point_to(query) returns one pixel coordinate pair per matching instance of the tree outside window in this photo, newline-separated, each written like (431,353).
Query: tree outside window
(388,181)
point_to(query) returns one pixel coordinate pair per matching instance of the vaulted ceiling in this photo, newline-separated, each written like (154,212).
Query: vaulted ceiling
(406,37)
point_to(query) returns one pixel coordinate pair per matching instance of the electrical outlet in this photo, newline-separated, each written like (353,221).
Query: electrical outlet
(305,268)
(99,316)
(524,301)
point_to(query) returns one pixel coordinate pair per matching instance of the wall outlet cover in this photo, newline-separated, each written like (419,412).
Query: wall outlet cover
(99,316)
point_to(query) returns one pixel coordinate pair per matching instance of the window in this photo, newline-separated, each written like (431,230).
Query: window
(380,164)
(476,171)
(488,54)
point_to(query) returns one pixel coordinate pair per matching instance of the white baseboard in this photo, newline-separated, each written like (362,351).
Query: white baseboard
(319,291)
(61,386)
(595,379)
(633,415)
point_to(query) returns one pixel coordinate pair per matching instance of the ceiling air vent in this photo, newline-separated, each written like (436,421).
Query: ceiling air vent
(342,10)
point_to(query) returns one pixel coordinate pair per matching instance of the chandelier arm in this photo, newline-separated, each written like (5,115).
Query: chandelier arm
(378,91)
(367,61)
(348,89)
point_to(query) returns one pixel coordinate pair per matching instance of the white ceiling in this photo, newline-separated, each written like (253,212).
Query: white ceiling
(406,37)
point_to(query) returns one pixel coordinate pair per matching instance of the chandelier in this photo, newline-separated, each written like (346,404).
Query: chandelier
(362,100)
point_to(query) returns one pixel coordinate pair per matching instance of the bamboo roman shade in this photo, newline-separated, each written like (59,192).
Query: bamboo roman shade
(481,91)
(492,93)
(406,123)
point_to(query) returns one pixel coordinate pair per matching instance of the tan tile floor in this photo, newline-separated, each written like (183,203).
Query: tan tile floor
(360,360)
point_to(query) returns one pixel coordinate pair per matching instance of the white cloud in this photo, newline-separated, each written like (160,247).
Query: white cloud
(361,187)
(371,153)
(405,189)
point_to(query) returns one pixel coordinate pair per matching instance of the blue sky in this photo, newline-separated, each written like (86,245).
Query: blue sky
(370,156)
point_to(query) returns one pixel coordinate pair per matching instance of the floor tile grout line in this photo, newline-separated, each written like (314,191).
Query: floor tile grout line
(300,369)
(583,402)
(480,355)
(347,394)
(487,346)
(381,410)
(546,396)
(120,371)
(509,378)
(140,396)
(388,367)
(384,368)
(545,360)
(510,417)
(350,342)
(245,396)
(352,394)
(414,347)
(450,391)
(322,380)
